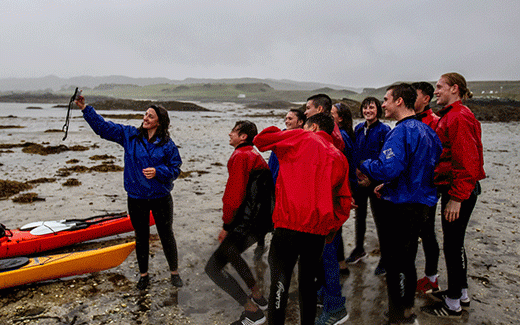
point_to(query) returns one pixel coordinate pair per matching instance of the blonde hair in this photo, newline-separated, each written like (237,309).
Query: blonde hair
(453,78)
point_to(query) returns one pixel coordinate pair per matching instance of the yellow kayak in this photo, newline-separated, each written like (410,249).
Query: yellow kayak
(63,265)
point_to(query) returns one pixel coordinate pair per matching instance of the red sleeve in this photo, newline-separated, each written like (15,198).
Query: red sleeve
(337,139)
(266,139)
(465,157)
(342,196)
(236,185)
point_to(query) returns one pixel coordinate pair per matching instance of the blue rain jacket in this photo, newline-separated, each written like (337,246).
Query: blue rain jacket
(407,163)
(368,146)
(140,154)
(349,153)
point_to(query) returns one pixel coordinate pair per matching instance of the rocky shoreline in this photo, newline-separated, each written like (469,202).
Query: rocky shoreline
(485,109)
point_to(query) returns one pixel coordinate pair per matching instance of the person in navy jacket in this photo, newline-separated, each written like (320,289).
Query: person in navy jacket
(369,138)
(152,163)
(405,169)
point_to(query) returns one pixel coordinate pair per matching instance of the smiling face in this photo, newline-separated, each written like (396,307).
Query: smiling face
(370,112)
(235,138)
(389,105)
(292,122)
(150,120)
(335,115)
(311,109)
(446,94)
(421,102)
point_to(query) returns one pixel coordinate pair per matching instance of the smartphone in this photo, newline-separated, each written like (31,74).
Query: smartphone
(77,94)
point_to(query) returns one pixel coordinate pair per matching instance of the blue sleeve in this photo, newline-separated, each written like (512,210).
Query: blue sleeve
(349,147)
(274,166)
(170,170)
(383,131)
(349,153)
(391,161)
(105,129)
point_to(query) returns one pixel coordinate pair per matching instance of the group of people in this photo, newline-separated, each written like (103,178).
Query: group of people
(320,167)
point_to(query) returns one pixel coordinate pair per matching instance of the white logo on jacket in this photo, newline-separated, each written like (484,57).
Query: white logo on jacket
(388,153)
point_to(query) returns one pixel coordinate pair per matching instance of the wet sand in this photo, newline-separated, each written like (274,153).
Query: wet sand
(110,297)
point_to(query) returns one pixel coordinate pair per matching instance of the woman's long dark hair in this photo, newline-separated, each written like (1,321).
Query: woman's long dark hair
(162,132)
(345,113)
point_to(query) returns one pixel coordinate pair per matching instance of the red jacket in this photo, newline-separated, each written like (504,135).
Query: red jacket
(462,161)
(312,189)
(337,139)
(429,118)
(243,160)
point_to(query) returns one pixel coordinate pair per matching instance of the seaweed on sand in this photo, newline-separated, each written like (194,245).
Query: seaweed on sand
(72,182)
(27,198)
(9,188)
(39,149)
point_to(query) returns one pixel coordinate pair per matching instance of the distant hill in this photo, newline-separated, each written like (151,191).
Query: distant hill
(54,83)
(493,100)
(481,89)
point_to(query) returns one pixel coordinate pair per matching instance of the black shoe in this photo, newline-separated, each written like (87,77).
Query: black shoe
(176,280)
(143,282)
(443,294)
(260,302)
(251,318)
(344,271)
(412,319)
(440,294)
(379,270)
(440,309)
(356,256)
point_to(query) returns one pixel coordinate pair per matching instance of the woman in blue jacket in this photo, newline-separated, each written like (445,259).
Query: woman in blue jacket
(369,139)
(152,163)
(343,118)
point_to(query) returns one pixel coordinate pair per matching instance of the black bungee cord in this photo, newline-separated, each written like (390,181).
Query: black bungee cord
(65,127)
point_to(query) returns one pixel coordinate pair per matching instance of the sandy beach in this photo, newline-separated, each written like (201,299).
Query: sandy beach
(202,137)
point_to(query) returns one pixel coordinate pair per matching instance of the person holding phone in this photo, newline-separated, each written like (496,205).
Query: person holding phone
(152,163)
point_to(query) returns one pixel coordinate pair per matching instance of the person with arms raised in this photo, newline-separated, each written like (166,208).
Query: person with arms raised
(152,163)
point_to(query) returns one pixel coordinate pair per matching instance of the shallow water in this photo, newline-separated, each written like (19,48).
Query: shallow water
(202,138)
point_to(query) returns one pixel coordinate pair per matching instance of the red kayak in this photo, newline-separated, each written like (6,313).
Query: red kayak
(43,236)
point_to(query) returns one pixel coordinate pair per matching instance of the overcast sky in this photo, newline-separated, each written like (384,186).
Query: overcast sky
(348,43)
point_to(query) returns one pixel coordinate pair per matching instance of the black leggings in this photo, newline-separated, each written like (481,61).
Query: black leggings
(162,210)
(286,247)
(430,244)
(454,251)
(229,252)
(361,196)
(399,241)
